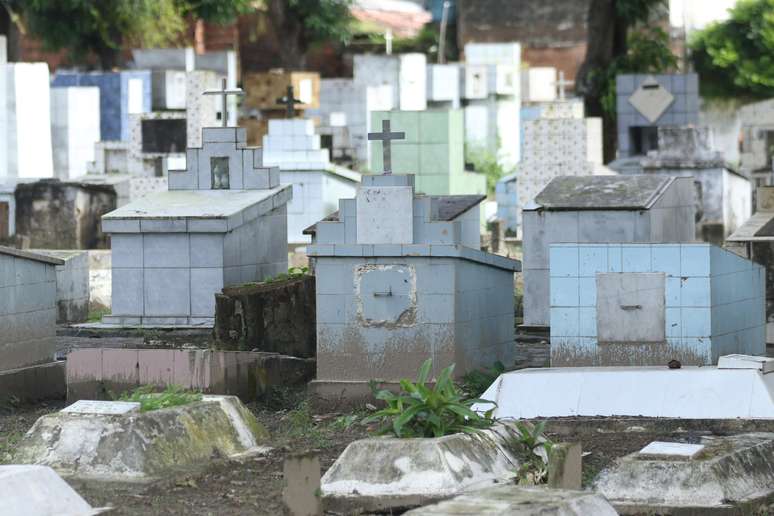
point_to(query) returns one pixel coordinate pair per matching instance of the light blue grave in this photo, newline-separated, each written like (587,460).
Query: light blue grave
(647,304)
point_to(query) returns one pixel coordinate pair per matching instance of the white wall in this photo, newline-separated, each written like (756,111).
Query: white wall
(725,123)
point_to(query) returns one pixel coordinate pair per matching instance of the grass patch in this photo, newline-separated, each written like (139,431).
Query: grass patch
(150,399)
(475,382)
(8,442)
(96,315)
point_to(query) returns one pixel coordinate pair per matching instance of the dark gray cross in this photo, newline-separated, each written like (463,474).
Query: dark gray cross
(290,102)
(386,137)
(224,92)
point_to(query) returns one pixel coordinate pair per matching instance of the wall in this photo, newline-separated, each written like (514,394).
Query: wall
(714,303)
(737,201)
(100,283)
(56,215)
(27,312)
(725,121)
(72,285)
(74,129)
(276,317)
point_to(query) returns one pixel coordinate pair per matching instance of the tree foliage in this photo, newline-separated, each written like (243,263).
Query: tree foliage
(105,27)
(735,58)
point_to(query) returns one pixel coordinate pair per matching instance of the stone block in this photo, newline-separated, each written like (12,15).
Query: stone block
(38,490)
(301,475)
(385,215)
(564,466)
(167,292)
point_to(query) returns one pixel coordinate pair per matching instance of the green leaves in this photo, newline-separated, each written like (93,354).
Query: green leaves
(421,411)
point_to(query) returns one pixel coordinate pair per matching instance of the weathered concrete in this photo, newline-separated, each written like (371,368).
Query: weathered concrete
(688,393)
(72,285)
(301,475)
(565,466)
(34,383)
(387,474)
(38,491)
(98,373)
(141,446)
(731,472)
(276,317)
(521,501)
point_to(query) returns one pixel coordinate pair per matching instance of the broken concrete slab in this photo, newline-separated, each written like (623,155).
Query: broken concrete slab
(27,490)
(731,472)
(386,473)
(521,501)
(140,446)
(686,393)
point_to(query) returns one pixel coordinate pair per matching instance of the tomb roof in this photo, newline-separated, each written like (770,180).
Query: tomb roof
(632,192)
(18,253)
(759,227)
(444,208)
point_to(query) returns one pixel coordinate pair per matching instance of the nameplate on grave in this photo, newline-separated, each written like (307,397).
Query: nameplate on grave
(105,408)
(165,136)
(670,451)
(651,99)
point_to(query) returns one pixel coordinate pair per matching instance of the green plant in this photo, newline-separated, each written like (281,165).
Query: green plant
(149,399)
(533,449)
(486,163)
(293,273)
(475,382)
(421,411)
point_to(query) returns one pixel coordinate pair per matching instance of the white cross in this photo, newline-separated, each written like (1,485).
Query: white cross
(224,92)
(561,83)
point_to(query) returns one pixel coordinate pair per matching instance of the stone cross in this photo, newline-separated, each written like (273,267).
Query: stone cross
(290,102)
(386,137)
(561,83)
(224,92)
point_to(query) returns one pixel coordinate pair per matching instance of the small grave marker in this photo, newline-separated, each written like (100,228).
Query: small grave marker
(108,408)
(386,138)
(224,93)
(289,101)
(665,450)
(302,485)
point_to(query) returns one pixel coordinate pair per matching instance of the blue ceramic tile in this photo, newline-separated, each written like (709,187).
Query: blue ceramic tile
(666,258)
(673,320)
(696,322)
(588,292)
(635,258)
(593,259)
(614,258)
(672,294)
(563,261)
(694,260)
(588,322)
(564,291)
(695,292)
(564,322)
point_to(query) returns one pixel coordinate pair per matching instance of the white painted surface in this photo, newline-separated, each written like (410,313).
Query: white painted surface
(134,94)
(688,393)
(29,121)
(651,99)
(27,490)
(666,449)
(413,82)
(538,84)
(762,364)
(75,116)
(3,111)
(385,215)
(105,408)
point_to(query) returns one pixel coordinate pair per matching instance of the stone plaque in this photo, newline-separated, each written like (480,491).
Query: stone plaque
(107,408)
(660,449)
(651,99)
(219,171)
(385,215)
(165,136)
(386,294)
(631,307)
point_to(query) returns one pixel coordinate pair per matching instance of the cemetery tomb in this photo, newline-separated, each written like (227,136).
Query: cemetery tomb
(433,150)
(200,110)
(3,110)
(755,240)
(81,440)
(293,146)
(386,474)
(156,138)
(110,157)
(538,84)
(72,285)
(27,308)
(74,129)
(723,195)
(121,94)
(515,500)
(7,209)
(757,138)
(37,490)
(558,143)
(28,121)
(739,387)
(223,222)
(719,473)
(599,209)
(168,89)
(443,85)
(400,278)
(646,102)
(647,304)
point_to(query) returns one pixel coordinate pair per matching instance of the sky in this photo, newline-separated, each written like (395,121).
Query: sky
(698,13)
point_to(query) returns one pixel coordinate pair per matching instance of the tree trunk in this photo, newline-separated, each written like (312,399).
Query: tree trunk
(606,41)
(108,57)
(289,31)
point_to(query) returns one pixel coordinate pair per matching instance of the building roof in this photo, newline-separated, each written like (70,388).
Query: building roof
(759,227)
(403,17)
(18,253)
(628,192)
(442,207)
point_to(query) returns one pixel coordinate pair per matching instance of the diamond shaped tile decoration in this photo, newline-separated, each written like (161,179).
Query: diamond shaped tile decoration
(651,99)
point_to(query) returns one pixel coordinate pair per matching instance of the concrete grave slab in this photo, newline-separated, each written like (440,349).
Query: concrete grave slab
(141,446)
(105,408)
(731,472)
(27,490)
(521,501)
(688,393)
(384,474)
(673,451)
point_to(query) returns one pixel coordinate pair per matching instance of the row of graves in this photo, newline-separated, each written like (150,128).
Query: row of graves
(645,323)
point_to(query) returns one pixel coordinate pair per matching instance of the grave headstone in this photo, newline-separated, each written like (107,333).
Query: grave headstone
(433,150)
(121,94)
(301,474)
(723,194)
(598,209)
(222,222)
(646,102)
(29,121)
(75,121)
(293,146)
